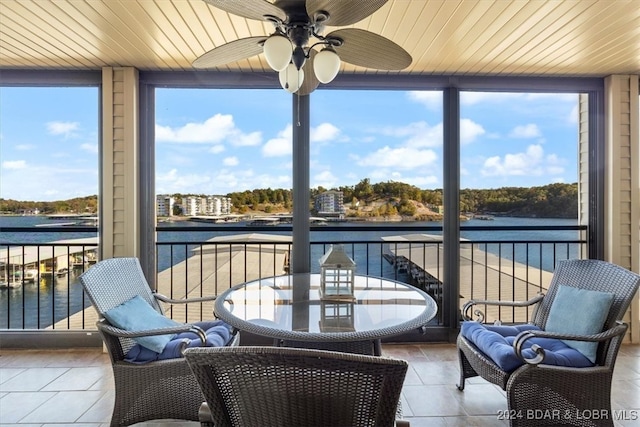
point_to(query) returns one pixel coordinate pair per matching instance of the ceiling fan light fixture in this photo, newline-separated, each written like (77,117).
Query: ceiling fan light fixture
(277,50)
(291,78)
(326,65)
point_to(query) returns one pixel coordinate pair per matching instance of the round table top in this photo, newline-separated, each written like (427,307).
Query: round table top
(381,308)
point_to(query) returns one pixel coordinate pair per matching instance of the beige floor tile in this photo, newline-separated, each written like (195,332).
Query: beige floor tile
(75,379)
(64,407)
(432,400)
(74,388)
(33,379)
(16,406)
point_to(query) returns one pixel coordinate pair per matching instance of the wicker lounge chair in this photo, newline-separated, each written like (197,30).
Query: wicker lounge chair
(162,389)
(542,394)
(282,386)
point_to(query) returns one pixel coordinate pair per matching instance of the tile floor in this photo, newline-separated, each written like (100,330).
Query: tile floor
(46,388)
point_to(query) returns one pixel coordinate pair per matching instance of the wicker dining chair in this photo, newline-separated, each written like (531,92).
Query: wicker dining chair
(161,389)
(285,386)
(540,393)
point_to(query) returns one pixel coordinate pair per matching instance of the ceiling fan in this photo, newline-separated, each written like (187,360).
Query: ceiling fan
(299,26)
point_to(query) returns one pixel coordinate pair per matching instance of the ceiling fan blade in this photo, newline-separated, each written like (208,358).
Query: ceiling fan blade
(231,52)
(310,82)
(370,50)
(344,12)
(252,9)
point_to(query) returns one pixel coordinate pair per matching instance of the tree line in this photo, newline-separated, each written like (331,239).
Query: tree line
(552,200)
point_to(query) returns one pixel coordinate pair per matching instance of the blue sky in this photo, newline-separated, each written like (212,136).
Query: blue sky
(221,141)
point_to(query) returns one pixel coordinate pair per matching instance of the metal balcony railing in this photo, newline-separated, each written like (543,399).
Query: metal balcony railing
(39,287)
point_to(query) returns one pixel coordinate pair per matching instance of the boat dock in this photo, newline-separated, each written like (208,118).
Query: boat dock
(495,278)
(19,265)
(210,270)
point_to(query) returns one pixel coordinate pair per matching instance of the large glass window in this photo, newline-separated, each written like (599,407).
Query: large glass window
(519,169)
(49,166)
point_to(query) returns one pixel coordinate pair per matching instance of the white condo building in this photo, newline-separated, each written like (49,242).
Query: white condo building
(194,205)
(330,203)
(164,205)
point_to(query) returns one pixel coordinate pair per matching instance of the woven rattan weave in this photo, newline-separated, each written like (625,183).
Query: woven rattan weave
(164,389)
(281,386)
(540,394)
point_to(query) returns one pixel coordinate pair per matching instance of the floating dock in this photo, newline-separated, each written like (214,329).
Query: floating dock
(483,275)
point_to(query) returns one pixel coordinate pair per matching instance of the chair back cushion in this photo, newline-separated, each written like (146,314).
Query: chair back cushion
(579,312)
(593,275)
(137,315)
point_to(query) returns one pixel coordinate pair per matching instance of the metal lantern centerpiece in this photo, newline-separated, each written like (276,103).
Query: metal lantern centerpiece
(337,275)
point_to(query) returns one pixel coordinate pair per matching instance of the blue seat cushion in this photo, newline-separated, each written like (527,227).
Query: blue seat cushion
(218,333)
(499,348)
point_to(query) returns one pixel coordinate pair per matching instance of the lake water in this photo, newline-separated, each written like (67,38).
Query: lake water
(32,306)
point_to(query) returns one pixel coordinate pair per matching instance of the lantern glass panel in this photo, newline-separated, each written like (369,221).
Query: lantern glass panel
(337,274)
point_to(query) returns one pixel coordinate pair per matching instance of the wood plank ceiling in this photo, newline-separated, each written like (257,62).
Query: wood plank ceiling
(462,37)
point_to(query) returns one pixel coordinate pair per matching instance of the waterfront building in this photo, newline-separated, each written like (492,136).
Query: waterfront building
(164,205)
(218,205)
(193,205)
(330,204)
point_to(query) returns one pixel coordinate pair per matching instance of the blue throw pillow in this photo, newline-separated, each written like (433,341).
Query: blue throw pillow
(135,315)
(579,312)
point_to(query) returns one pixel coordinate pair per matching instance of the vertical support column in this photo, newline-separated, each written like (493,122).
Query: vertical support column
(622,180)
(596,179)
(119,180)
(300,253)
(583,167)
(147,172)
(451,222)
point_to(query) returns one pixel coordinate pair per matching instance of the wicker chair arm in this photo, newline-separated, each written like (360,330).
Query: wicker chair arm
(104,326)
(168,300)
(480,314)
(518,343)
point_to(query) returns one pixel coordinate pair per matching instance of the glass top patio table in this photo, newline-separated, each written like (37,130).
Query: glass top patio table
(289,308)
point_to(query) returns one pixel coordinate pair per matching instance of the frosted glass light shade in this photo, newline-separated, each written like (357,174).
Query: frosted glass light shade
(326,65)
(277,50)
(291,78)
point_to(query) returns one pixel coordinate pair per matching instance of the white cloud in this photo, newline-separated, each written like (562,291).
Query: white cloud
(26,182)
(417,134)
(174,182)
(216,129)
(469,131)
(533,162)
(324,132)
(25,147)
(432,99)
(14,164)
(282,145)
(216,149)
(230,161)
(401,158)
(325,179)
(530,130)
(249,139)
(63,128)
(574,115)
